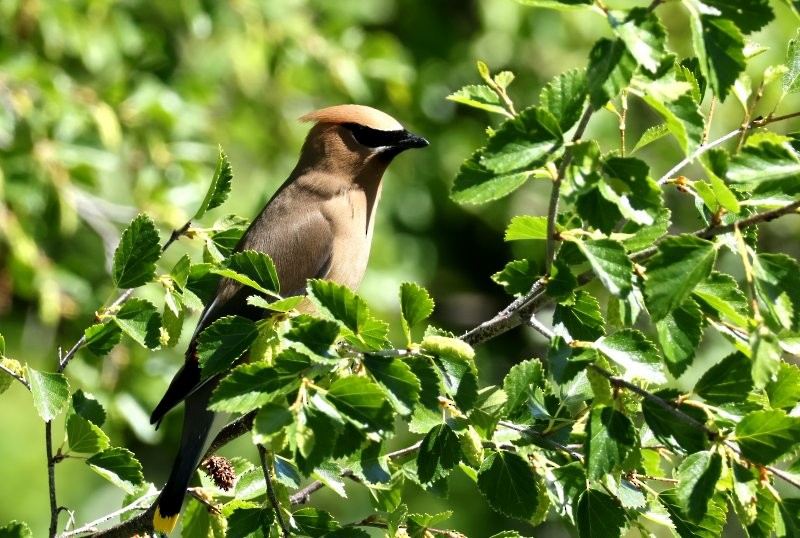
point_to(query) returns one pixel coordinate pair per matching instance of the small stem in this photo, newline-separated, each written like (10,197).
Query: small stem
(622,122)
(92,526)
(273,498)
(51,477)
(16,376)
(543,439)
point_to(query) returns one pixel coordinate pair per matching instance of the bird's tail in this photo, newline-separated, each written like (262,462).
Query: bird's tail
(198,422)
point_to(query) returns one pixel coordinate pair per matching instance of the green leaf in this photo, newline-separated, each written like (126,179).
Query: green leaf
(517,277)
(521,382)
(790,514)
(219,188)
(199,521)
(244,521)
(709,527)
(599,515)
(777,279)
(447,347)
(697,480)
(644,36)
(84,436)
(791,79)
(439,453)
(627,185)
(139,319)
(765,352)
(316,335)
(247,387)
(252,268)
(400,385)
(509,484)
(610,69)
(748,15)
(765,436)
(679,333)
(313,522)
(636,354)
(102,337)
(281,305)
(560,5)
(784,390)
(680,263)
(728,381)
(350,310)
(610,263)
(527,227)
(676,434)
(222,342)
(476,184)
(362,403)
(415,306)
(270,420)
(564,96)
(522,143)
(88,407)
(653,133)
(720,47)
(761,160)
(611,437)
(719,295)
(50,393)
(581,318)
(682,118)
(118,466)
(479,96)
(16,529)
(137,253)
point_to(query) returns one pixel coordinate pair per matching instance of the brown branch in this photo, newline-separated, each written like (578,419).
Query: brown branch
(374,523)
(51,477)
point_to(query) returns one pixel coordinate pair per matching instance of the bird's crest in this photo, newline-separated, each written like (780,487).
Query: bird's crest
(360,114)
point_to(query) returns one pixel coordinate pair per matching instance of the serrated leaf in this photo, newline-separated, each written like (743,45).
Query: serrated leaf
(137,253)
(281,305)
(118,466)
(84,436)
(247,387)
(610,263)
(50,393)
(350,310)
(784,390)
(316,335)
(645,38)
(791,79)
(728,381)
(682,118)
(560,5)
(475,184)
(521,382)
(509,485)
(517,277)
(222,342)
(598,514)
(764,436)
(526,227)
(610,69)
(761,160)
(400,385)
(679,334)
(680,263)
(523,143)
(720,47)
(243,522)
(719,295)
(199,521)
(581,317)
(633,352)
(313,522)
(415,306)
(439,453)
(677,435)
(697,480)
(611,436)
(653,133)
(252,268)
(88,407)
(777,279)
(361,402)
(748,15)
(564,96)
(765,353)
(139,319)
(219,188)
(709,527)
(102,337)
(479,96)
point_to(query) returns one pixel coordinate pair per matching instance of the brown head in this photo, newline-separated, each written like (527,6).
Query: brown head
(353,139)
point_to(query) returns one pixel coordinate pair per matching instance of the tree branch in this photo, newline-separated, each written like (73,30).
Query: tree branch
(273,499)
(92,526)
(51,477)
(15,375)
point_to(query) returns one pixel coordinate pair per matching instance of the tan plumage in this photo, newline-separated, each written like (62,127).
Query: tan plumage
(317,225)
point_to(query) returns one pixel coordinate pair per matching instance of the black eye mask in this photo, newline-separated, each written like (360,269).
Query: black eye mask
(375,138)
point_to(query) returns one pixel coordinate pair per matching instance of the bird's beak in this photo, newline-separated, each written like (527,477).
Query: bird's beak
(410,140)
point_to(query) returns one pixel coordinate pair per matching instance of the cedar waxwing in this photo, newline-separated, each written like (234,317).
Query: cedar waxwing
(317,225)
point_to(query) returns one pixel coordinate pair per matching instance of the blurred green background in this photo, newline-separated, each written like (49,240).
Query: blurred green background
(110,108)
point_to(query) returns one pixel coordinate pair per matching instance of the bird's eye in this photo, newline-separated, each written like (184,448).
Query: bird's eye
(374,138)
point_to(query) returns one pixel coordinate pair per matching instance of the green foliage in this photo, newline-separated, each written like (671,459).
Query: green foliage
(136,256)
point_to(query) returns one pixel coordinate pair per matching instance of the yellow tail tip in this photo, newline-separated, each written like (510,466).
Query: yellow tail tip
(163,523)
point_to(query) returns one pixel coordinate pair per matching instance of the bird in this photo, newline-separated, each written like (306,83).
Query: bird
(318,224)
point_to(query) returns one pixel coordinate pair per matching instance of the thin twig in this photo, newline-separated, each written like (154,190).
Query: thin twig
(51,477)
(15,375)
(273,498)
(373,523)
(505,319)
(540,438)
(92,526)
